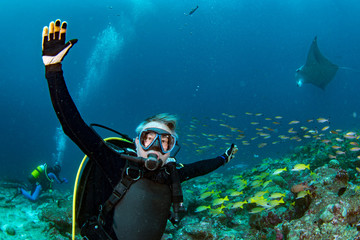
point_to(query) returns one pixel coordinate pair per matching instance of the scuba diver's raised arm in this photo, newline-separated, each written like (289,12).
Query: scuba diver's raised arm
(72,123)
(54,51)
(206,166)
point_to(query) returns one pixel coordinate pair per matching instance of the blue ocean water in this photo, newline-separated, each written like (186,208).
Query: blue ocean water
(138,58)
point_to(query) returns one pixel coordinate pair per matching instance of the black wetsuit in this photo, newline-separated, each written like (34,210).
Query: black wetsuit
(143,212)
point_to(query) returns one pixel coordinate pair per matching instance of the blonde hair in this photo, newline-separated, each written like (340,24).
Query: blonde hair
(169,120)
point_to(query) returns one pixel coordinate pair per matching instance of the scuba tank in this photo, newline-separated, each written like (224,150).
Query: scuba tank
(36,173)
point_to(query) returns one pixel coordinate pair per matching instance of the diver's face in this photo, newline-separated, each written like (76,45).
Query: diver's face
(149,139)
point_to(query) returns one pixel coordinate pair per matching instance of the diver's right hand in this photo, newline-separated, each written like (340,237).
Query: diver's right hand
(54,48)
(230,153)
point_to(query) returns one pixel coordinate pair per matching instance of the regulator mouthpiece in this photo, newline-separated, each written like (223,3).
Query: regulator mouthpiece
(152,162)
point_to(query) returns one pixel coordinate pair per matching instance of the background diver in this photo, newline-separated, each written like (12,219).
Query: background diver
(41,179)
(118,198)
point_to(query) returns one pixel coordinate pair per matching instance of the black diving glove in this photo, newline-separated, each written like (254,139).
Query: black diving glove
(230,153)
(54,48)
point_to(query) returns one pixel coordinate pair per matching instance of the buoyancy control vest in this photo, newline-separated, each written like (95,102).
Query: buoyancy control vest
(140,213)
(40,176)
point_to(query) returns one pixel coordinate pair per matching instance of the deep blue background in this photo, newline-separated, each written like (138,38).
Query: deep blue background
(228,57)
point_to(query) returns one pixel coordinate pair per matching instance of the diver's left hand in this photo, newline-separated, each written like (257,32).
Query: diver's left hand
(54,48)
(230,153)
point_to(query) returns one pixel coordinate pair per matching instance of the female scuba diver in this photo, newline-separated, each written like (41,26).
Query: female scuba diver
(125,192)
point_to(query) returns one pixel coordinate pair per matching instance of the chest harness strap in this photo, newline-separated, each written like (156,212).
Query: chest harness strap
(95,227)
(131,174)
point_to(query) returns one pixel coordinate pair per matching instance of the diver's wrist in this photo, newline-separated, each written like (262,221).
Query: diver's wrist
(53,67)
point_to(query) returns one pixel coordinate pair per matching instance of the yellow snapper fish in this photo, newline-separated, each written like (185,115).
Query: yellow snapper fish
(277,195)
(355,149)
(300,167)
(261,193)
(313,175)
(241,187)
(291,130)
(267,183)
(236,193)
(240,182)
(256,210)
(274,203)
(261,145)
(212,183)
(206,194)
(340,152)
(283,137)
(263,203)
(255,199)
(302,194)
(262,134)
(350,135)
(202,208)
(325,128)
(217,211)
(261,175)
(219,201)
(239,204)
(278,171)
(322,120)
(256,183)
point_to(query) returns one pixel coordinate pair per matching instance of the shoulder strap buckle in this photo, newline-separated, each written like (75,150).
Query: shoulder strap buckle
(131,172)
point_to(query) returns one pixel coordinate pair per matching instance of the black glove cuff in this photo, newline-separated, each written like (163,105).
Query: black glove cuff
(53,68)
(225,157)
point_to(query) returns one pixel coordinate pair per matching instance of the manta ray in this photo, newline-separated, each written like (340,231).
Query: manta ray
(317,70)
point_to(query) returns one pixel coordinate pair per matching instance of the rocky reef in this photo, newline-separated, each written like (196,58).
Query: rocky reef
(319,202)
(48,218)
(312,193)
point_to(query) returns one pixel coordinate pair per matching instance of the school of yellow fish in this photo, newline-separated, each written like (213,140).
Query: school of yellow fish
(268,131)
(233,198)
(217,201)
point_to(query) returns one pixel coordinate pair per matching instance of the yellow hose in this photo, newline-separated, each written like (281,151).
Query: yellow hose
(74,197)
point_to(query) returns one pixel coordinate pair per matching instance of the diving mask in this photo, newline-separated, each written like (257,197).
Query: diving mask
(157,139)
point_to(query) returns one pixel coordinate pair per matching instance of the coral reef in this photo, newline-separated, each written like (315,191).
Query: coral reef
(317,199)
(48,218)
